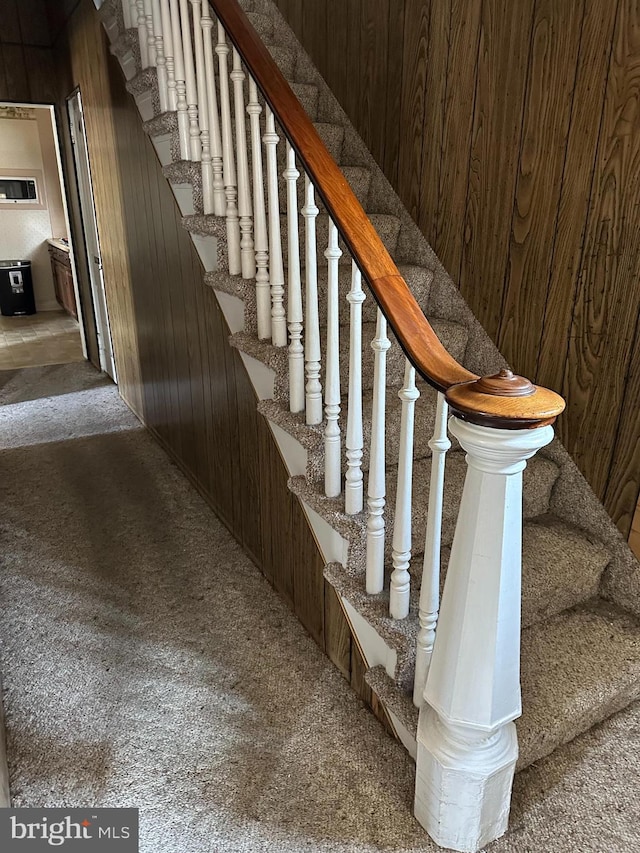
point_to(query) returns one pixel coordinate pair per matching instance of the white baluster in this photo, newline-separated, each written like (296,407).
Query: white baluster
(467,739)
(332,443)
(195,151)
(228,159)
(126,14)
(219,198)
(430,588)
(203,112)
(276,269)
(151,37)
(313,387)
(167,36)
(181,89)
(296,350)
(354,490)
(401,554)
(161,62)
(247,256)
(263,289)
(143,35)
(376,489)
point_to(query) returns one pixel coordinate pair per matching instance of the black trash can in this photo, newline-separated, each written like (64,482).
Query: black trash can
(16,288)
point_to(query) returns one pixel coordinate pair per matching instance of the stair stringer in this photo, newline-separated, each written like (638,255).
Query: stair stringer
(333,547)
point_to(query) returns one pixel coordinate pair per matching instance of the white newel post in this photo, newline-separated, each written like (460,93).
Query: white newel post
(167,36)
(467,744)
(181,86)
(161,61)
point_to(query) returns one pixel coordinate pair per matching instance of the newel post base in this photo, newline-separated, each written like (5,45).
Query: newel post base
(467,744)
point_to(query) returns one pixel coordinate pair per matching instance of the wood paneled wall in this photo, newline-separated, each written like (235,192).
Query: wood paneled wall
(511,130)
(26,59)
(175,366)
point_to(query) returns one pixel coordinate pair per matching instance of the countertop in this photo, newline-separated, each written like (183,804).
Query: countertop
(58,244)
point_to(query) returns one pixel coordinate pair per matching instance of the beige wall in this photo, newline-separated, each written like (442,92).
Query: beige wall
(28,143)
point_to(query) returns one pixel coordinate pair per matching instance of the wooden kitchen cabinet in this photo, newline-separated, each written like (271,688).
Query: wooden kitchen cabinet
(63,279)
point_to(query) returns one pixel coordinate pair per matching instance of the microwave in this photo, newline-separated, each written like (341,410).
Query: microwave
(18,190)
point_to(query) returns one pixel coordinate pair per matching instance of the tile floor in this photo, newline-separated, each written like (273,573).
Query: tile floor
(50,337)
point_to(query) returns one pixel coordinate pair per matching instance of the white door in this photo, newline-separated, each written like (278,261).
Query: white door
(90,226)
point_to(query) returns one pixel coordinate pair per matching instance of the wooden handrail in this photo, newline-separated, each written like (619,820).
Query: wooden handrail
(533,408)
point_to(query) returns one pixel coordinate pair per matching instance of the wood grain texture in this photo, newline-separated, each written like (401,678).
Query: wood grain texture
(578,176)
(552,62)
(414,77)
(603,326)
(513,129)
(505,32)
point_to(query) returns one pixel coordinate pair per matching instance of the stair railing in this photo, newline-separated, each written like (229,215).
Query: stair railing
(467,678)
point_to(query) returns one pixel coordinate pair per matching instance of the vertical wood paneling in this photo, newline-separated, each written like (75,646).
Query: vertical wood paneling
(491,124)
(373,72)
(393,89)
(577,178)
(603,326)
(464,40)
(505,32)
(553,59)
(414,74)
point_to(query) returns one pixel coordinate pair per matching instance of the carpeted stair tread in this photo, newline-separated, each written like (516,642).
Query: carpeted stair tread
(312,437)
(161,124)
(127,42)
(284,58)
(540,581)
(539,478)
(387,226)
(452,335)
(308,95)
(262,24)
(578,668)
(358,178)
(144,81)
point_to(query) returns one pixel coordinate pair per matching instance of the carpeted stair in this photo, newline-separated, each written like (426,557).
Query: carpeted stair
(581,584)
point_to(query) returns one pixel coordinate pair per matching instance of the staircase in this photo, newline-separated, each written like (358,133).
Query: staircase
(580,644)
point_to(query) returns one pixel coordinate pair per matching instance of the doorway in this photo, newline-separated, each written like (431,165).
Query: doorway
(90,230)
(41,315)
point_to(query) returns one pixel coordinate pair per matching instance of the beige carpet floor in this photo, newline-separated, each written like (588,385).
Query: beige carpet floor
(147,663)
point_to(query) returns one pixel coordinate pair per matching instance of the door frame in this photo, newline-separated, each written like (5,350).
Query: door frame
(90,232)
